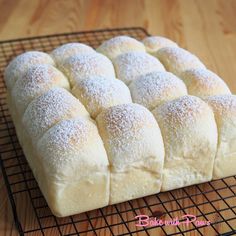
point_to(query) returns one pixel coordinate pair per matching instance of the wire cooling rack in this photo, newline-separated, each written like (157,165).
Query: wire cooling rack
(214,201)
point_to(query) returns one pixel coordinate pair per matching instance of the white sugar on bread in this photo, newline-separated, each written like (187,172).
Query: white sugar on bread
(155,88)
(119,45)
(130,65)
(190,138)
(36,81)
(84,65)
(50,108)
(20,64)
(98,93)
(224,107)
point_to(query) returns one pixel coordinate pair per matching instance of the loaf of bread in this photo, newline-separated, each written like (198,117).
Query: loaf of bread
(124,121)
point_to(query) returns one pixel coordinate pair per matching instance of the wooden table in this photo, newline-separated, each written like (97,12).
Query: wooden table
(205,27)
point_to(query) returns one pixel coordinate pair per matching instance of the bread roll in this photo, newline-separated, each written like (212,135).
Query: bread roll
(224,107)
(155,88)
(190,137)
(154,43)
(20,64)
(50,108)
(135,151)
(130,65)
(177,60)
(98,93)
(75,176)
(36,81)
(119,45)
(202,83)
(62,53)
(84,65)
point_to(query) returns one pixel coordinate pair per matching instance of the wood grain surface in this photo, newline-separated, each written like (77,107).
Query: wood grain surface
(205,27)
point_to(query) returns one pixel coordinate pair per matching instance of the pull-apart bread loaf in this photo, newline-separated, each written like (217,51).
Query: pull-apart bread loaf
(124,121)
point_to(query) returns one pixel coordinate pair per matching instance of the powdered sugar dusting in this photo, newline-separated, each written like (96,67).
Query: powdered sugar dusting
(155,88)
(37,80)
(65,51)
(223,104)
(118,45)
(131,136)
(20,64)
(182,111)
(177,60)
(69,134)
(98,93)
(202,82)
(130,65)
(84,65)
(126,120)
(154,43)
(50,108)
